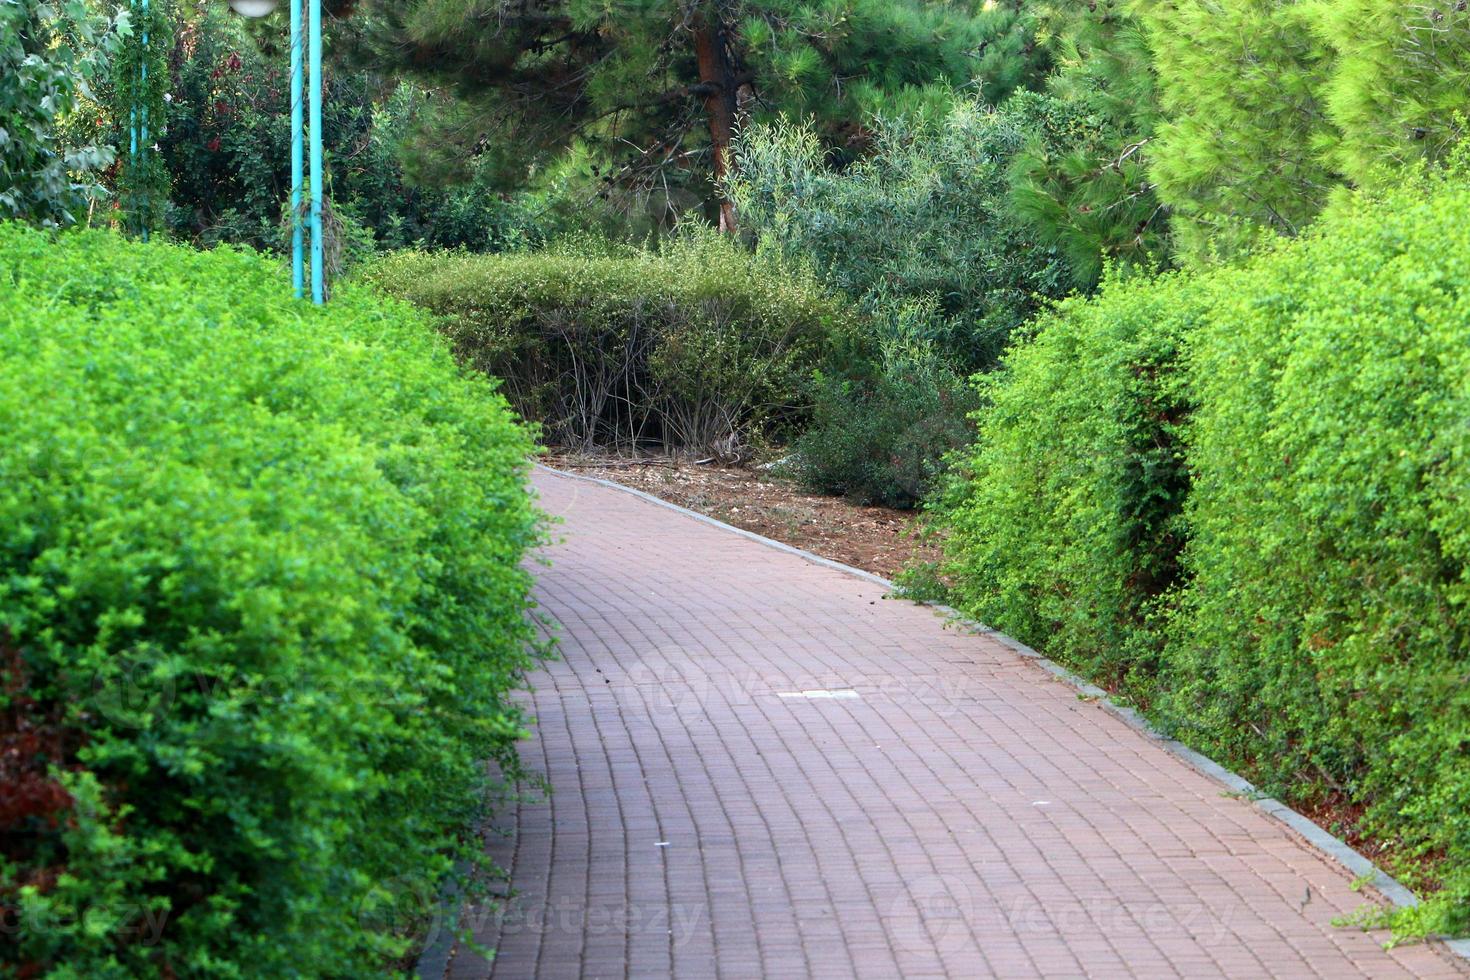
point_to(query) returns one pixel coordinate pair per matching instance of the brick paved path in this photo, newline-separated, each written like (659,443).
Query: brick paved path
(955,812)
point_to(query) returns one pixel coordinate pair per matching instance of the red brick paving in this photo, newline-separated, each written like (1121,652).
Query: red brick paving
(965,815)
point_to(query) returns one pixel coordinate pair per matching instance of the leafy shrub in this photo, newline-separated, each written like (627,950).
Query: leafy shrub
(697,346)
(1065,514)
(1324,636)
(260,613)
(49,55)
(922,219)
(1312,629)
(880,437)
(920,233)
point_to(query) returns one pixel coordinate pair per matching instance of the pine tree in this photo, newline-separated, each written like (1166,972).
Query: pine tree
(1400,82)
(1085,188)
(1243,146)
(657,88)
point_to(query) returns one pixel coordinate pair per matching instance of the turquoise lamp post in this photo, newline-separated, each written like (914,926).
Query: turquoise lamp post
(138,145)
(311,81)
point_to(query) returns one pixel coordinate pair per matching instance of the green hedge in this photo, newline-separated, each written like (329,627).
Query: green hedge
(261,611)
(697,346)
(1242,499)
(1066,514)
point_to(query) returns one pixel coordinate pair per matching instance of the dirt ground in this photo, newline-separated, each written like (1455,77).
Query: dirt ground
(875,539)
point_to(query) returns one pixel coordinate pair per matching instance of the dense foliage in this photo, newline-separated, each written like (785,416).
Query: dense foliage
(1239,152)
(1240,498)
(227,147)
(140,85)
(923,218)
(50,53)
(260,612)
(1323,636)
(1066,510)
(1271,105)
(1220,470)
(1400,74)
(883,421)
(658,89)
(1087,191)
(919,234)
(697,346)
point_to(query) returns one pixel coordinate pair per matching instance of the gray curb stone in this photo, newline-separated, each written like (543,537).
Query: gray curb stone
(1335,848)
(433,961)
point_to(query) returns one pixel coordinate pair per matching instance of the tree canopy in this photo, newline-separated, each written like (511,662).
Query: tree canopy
(656,89)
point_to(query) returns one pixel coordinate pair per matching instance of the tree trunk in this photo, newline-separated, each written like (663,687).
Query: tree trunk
(717,79)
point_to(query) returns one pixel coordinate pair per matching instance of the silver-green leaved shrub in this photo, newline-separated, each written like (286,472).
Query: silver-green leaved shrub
(696,346)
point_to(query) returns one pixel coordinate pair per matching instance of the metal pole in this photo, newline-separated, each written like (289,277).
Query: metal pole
(143,132)
(132,115)
(318,189)
(298,257)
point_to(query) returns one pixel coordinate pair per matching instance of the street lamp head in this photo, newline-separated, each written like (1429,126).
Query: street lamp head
(253,8)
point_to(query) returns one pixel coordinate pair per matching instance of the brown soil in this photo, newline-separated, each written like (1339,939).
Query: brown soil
(1343,818)
(875,539)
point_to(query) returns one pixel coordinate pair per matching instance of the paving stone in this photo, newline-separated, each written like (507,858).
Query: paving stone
(964,815)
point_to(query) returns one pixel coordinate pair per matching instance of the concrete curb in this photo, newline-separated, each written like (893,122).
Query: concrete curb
(433,961)
(1333,847)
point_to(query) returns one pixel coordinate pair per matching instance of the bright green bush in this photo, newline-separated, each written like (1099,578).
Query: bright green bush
(1323,640)
(1065,514)
(261,612)
(1298,426)
(696,346)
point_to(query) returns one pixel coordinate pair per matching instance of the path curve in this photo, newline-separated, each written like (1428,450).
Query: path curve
(761,767)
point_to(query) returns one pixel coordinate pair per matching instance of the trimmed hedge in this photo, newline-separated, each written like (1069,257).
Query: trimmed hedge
(1242,499)
(1065,515)
(261,611)
(698,346)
